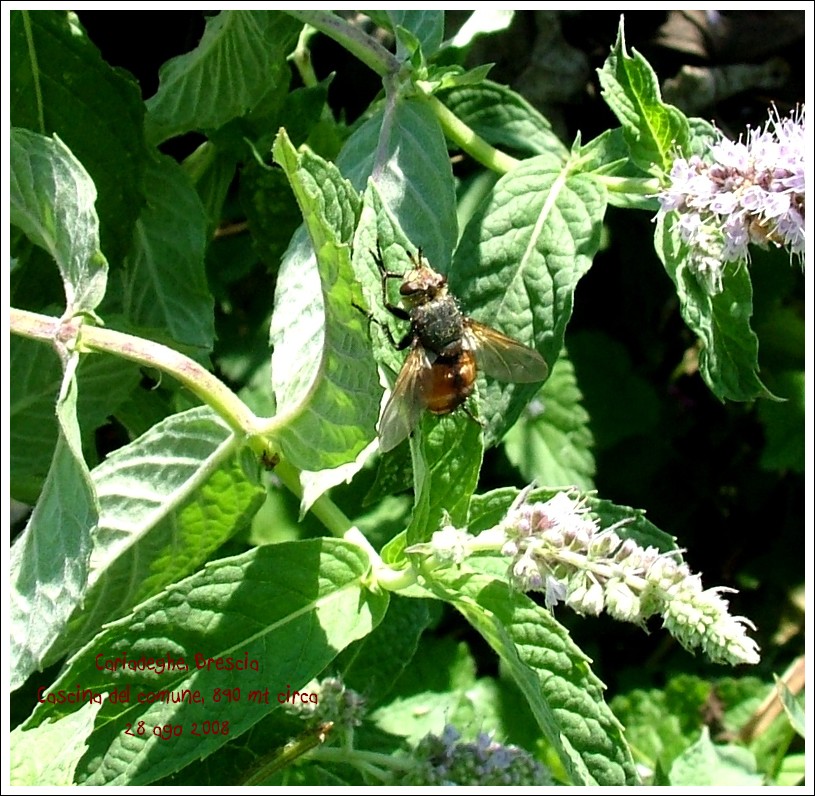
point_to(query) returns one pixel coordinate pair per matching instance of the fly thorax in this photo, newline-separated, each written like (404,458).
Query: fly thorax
(439,325)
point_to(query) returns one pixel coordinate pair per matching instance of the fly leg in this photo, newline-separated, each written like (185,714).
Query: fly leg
(401,345)
(395,310)
(385,275)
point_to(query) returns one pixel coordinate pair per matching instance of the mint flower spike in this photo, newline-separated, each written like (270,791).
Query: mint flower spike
(329,700)
(446,760)
(557,548)
(744,192)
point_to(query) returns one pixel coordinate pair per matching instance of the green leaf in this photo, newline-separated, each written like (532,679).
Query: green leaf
(442,663)
(661,723)
(434,691)
(728,360)
(447,454)
(518,264)
(52,201)
(289,607)
(552,442)
(35,283)
(61,86)
(792,771)
(404,152)
(48,755)
(224,77)
(244,137)
(742,700)
(608,155)
(303,109)
(793,707)
(49,560)
(709,764)
(490,508)
(653,130)
(271,211)
(414,716)
(554,676)
(409,48)
(148,407)
(427,26)
(34,379)
(702,136)
(315,484)
(633,524)
(212,179)
(166,502)
(446,77)
(373,664)
(323,376)
(504,118)
(165,282)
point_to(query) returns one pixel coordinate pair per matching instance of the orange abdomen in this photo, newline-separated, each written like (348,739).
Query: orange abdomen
(448,383)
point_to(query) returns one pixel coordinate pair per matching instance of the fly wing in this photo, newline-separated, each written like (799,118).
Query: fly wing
(502,357)
(406,403)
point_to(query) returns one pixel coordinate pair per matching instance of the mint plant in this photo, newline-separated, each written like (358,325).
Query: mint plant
(166,609)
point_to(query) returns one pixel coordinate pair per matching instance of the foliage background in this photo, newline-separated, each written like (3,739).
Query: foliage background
(720,477)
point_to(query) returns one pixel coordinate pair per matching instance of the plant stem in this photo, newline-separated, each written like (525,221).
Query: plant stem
(357,42)
(472,143)
(384,63)
(635,185)
(360,757)
(301,57)
(280,758)
(94,338)
(335,520)
(75,333)
(36,86)
(324,509)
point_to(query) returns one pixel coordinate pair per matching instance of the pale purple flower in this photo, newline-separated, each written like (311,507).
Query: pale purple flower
(556,547)
(744,192)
